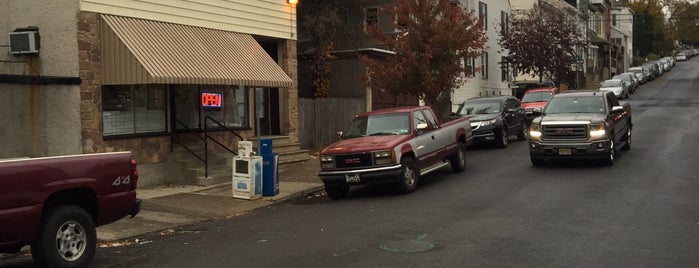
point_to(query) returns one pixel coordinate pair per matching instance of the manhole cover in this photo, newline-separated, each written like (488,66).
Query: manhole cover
(407,246)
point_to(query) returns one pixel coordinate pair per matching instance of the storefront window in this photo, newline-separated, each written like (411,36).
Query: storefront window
(133,109)
(234,111)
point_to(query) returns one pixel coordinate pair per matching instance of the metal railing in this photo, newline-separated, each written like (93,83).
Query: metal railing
(205,139)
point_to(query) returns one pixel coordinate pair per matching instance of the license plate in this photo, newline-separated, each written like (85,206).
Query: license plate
(352,177)
(565,151)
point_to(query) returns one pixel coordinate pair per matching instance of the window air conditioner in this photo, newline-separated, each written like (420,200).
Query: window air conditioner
(26,42)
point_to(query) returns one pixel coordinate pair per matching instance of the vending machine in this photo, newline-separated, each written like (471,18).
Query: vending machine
(247,174)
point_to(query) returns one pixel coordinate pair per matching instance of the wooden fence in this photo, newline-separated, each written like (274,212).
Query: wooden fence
(320,119)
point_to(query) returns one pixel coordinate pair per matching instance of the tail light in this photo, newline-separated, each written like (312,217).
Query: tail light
(134,174)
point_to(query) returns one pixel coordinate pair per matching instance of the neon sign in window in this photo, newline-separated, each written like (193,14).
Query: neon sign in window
(211,101)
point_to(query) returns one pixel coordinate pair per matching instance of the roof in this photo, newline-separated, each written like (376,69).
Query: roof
(138,51)
(504,97)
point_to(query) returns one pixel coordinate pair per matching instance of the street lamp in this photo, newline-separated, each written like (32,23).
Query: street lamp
(293,2)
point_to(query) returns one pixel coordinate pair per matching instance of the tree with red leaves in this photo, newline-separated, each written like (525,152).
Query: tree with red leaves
(542,42)
(430,41)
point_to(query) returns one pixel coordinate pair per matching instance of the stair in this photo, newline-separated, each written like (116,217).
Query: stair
(288,152)
(220,164)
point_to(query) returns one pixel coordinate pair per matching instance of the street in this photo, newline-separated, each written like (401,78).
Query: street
(501,212)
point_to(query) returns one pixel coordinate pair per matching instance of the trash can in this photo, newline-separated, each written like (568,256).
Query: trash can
(270,168)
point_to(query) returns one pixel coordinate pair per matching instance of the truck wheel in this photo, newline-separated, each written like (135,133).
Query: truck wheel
(609,159)
(408,176)
(337,192)
(501,138)
(522,135)
(66,238)
(627,138)
(458,160)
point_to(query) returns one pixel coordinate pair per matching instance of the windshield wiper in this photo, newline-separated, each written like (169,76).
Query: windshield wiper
(383,133)
(354,136)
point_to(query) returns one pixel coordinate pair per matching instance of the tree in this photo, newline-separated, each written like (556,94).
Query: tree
(321,27)
(431,39)
(683,24)
(542,42)
(649,28)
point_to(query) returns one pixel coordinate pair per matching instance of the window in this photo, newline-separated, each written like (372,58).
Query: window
(504,22)
(505,70)
(484,65)
(614,19)
(431,119)
(234,113)
(483,14)
(133,109)
(418,118)
(371,17)
(469,67)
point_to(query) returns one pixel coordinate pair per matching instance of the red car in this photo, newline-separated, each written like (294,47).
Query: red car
(536,98)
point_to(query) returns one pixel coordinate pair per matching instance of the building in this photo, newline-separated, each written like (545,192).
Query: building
(622,35)
(494,75)
(131,75)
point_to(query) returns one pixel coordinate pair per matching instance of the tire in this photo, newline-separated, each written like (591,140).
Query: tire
(627,139)
(409,176)
(523,134)
(501,138)
(337,192)
(537,161)
(609,159)
(458,160)
(66,238)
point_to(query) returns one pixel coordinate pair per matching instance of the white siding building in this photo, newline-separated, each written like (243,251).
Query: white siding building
(492,79)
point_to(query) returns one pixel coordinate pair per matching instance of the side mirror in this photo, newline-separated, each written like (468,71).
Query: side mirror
(537,111)
(339,133)
(420,128)
(617,109)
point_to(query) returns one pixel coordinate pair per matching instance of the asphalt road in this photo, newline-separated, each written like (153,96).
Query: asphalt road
(501,212)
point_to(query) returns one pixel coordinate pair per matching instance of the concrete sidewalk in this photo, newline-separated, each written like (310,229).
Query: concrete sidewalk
(169,206)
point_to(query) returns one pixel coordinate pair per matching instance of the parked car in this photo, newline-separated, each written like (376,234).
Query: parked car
(581,125)
(519,87)
(681,56)
(495,119)
(617,86)
(640,74)
(665,63)
(630,80)
(536,98)
(396,146)
(55,203)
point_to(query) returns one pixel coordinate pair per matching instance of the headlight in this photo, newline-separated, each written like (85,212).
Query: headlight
(598,131)
(487,123)
(384,157)
(326,161)
(535,131)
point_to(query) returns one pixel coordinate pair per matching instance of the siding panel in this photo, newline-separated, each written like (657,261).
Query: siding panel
(263,18)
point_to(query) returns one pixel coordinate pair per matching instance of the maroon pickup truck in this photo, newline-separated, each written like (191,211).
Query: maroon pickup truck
(54,204)
(394,145)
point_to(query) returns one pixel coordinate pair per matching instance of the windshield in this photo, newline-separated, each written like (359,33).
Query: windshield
(611,83)
(587,104)
(479,107)
(537,97)
(381,124)
(636,70)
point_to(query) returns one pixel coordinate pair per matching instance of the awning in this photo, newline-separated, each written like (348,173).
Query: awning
(594,38)
(137,51)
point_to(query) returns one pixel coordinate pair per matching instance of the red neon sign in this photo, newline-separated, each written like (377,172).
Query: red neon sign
(211,100)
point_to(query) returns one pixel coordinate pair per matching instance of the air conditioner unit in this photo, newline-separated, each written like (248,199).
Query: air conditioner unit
(26,42)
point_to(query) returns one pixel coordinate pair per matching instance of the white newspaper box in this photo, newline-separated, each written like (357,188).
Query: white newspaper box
(247,177)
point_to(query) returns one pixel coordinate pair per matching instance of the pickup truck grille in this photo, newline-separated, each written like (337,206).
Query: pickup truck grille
(353,160)
(563,132)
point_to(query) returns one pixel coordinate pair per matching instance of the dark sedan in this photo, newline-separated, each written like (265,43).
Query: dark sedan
(495,119)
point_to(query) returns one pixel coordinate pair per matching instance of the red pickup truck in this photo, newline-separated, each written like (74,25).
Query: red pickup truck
(394,145)
(55,203)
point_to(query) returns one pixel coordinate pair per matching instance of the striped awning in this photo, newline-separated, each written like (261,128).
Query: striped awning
(137,51)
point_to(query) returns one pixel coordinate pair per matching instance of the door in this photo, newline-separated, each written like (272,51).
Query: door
(267,111)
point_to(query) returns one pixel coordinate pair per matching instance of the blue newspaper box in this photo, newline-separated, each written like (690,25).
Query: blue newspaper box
(270,175)
(266,147)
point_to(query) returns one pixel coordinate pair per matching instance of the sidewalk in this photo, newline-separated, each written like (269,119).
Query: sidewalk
(169,206)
